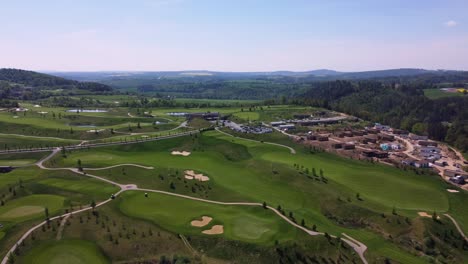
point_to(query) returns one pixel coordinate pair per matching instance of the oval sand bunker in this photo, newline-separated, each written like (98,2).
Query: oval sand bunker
(205,220)
(215,230)
(190,175)
(180,153)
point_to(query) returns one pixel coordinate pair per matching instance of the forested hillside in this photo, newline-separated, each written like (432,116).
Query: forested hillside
(28,85)
(402,106)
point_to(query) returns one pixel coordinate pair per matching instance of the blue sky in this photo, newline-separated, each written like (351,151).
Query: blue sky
(237,35)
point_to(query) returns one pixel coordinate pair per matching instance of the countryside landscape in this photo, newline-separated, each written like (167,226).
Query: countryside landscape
(108,161)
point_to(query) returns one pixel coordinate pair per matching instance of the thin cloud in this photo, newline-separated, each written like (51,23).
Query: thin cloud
(451,23)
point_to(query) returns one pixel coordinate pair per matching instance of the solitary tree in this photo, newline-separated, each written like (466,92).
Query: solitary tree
(80,168)
(264,205)
(93,204)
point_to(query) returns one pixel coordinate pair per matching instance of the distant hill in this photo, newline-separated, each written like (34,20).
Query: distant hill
(45,81)
(321,74)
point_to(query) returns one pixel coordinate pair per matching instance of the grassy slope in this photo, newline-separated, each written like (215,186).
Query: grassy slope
(65,251)
(20,159)
(240,223)
(293,192)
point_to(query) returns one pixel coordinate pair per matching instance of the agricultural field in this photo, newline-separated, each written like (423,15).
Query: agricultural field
(439,93)
(210,195)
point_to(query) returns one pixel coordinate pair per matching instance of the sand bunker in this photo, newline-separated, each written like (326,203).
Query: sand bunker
(452,191)
(190,175)
(95,130)
(205,220)
(215,230)
(43,113)
(424,214)
(180,153)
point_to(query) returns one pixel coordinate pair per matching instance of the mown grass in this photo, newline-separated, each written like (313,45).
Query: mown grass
(267,173)
(20,159)
(240,223)
(66,251)
(29,207)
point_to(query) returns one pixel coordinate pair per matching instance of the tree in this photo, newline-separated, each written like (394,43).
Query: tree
(303,222)
(80,168)
(314,227)
(264,205)
(434,216)
(93,204)
(46,212)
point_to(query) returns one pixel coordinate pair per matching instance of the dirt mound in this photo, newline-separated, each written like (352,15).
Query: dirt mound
(181,153)
(215,230)
(201,223)
(190,175)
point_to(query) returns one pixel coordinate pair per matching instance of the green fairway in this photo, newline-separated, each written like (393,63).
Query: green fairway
(438,93)
(91,188)
(250,224)
(20,159)
(29,207)
(65,251)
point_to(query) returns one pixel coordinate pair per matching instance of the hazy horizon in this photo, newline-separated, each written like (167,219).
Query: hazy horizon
(233,36)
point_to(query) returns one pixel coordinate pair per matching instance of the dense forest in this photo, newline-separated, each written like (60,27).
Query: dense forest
(399,105)
(28,85)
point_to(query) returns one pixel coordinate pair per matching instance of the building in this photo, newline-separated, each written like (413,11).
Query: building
(429,150)
(417,137)
(358,133)
(426,143)
(311,137)
(337,145)
(399,132)
(349,146)
(348,134)
(453,173)
(322,138)
(277,123)
(422,164)
(287,127)
(5,169)
(440,163)
(206,116)
(458,180)
(369,139)
(386,137)
(408,162)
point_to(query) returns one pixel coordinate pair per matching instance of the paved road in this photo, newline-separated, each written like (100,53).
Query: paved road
(293,151)
(120,165)
(457,226)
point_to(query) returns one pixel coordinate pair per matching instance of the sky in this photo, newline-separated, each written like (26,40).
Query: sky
(233,35)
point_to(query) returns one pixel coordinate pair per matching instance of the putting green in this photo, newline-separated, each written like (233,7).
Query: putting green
(245,223)
(66,251)
(31,206)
